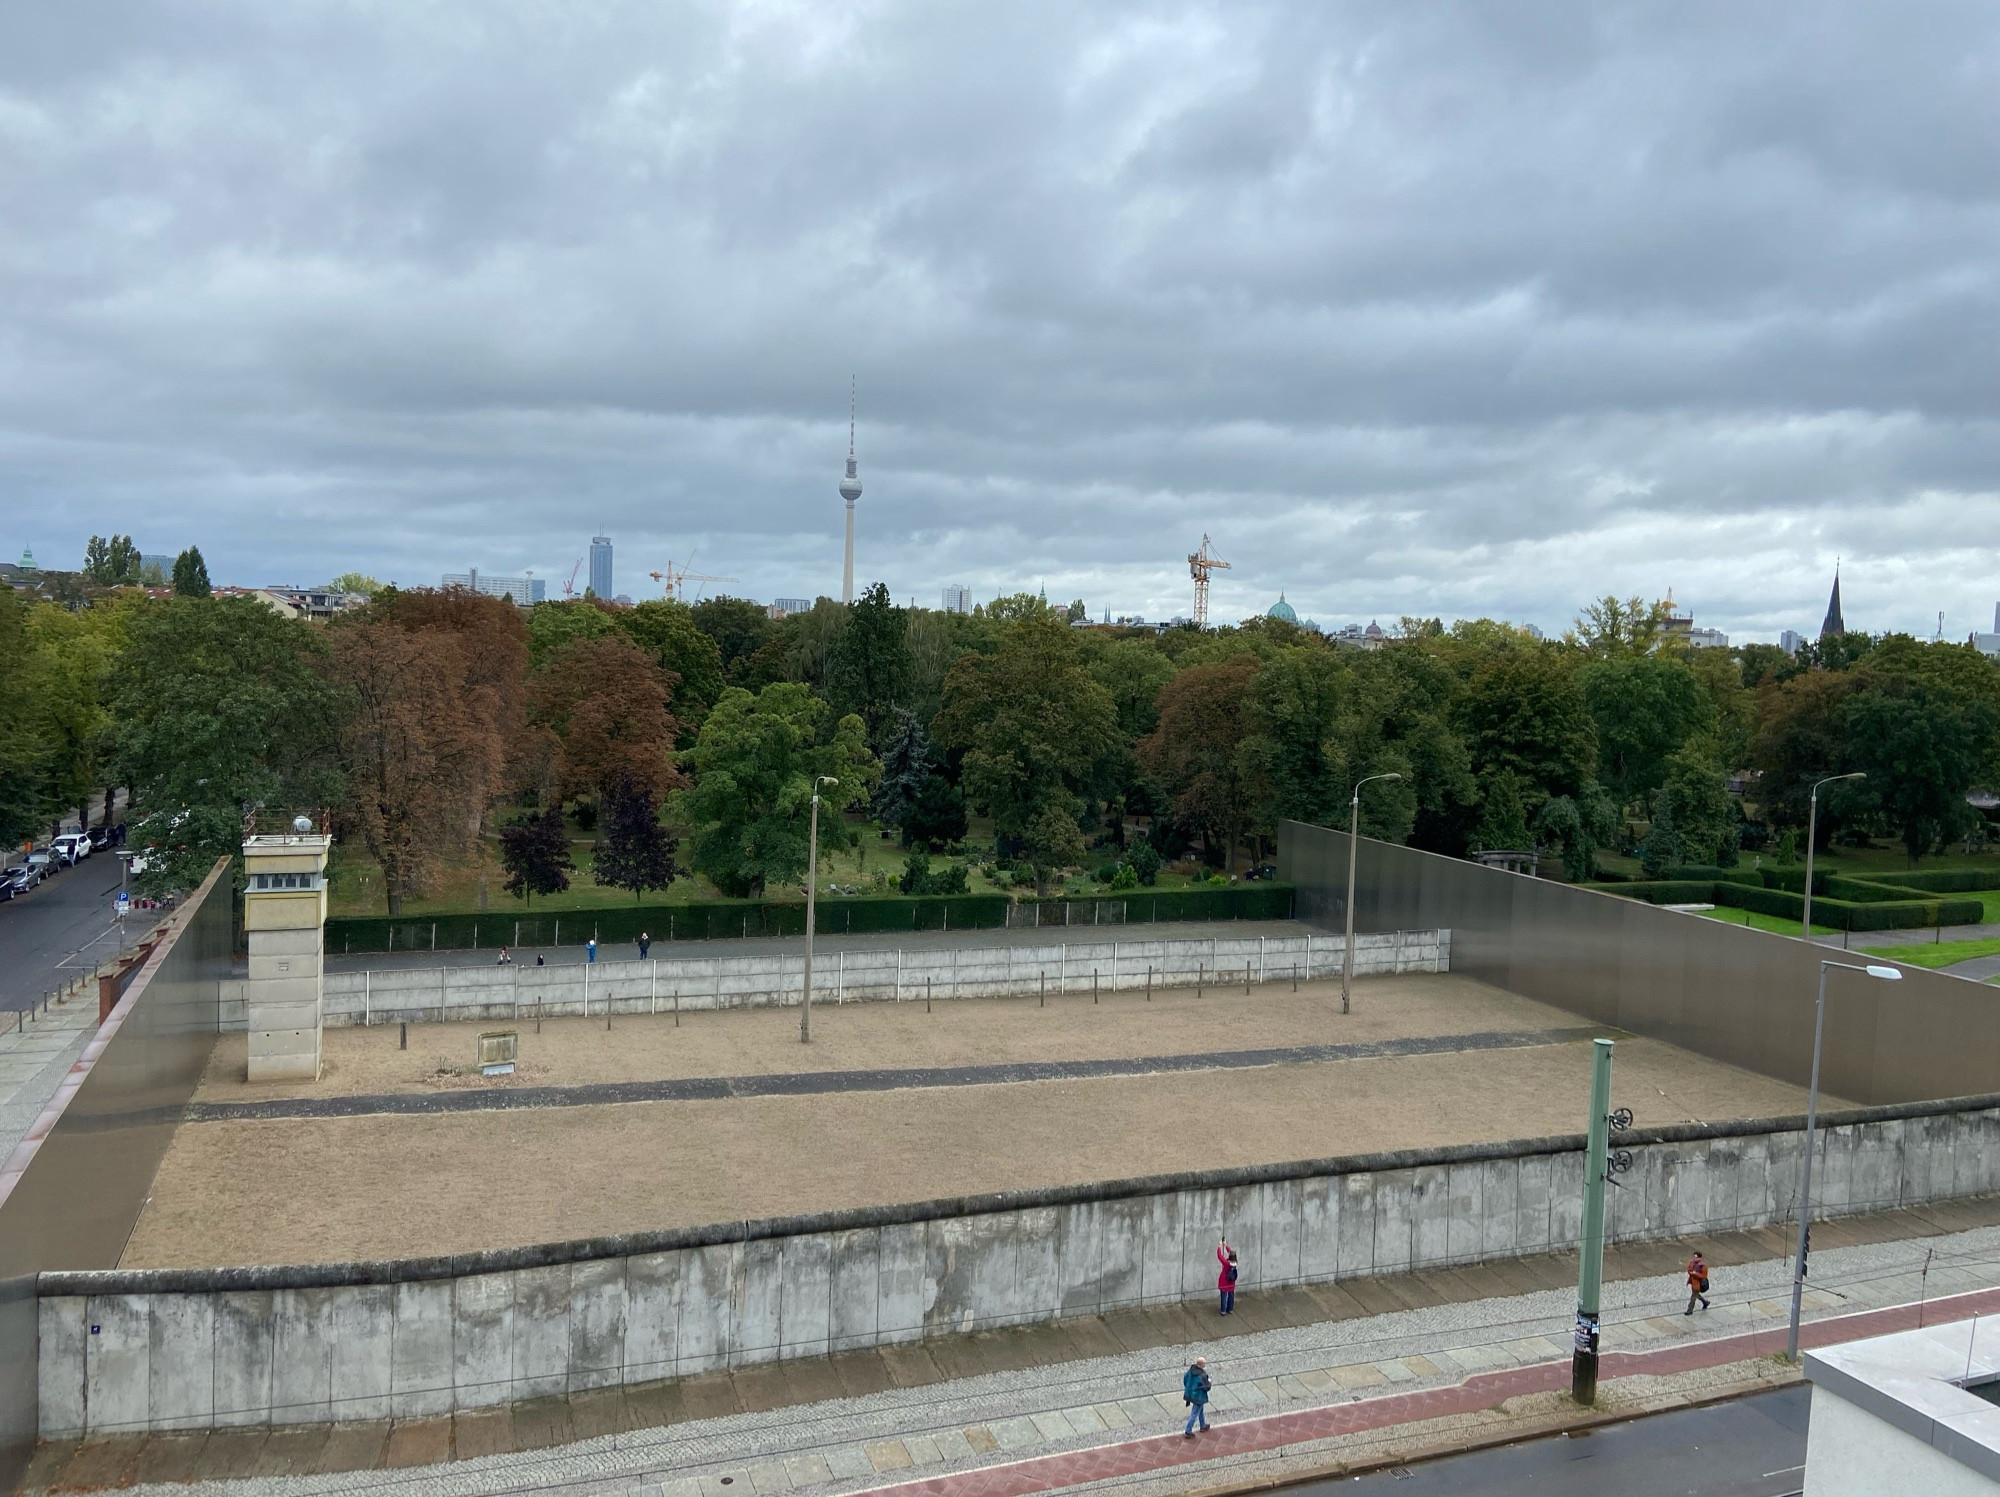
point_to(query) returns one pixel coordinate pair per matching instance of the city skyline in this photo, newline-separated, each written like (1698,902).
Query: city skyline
(1482,319)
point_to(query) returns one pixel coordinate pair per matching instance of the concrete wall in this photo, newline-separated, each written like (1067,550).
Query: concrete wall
(1851,1453)
(393,994)
(72,1191)
(163,1349)
(1745,997)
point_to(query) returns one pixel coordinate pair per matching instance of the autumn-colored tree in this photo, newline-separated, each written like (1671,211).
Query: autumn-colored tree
(606,701)
(418,745)
(1197,752)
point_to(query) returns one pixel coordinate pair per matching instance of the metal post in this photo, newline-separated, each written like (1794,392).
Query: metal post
(812,881)
(1805,1179)
(1590,1273)
(1812,824)
(927,992)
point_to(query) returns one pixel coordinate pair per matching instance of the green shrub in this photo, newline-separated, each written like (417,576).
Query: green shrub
(1945,880)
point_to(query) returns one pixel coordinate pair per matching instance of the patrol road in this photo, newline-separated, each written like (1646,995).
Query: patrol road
(57,929)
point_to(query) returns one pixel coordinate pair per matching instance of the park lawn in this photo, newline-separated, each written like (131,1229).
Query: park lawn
(1937,953)
(1778,925)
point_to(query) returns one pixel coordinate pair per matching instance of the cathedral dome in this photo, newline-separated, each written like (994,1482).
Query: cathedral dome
(1283,610)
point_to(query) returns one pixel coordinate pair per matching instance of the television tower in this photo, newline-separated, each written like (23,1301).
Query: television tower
(850,490)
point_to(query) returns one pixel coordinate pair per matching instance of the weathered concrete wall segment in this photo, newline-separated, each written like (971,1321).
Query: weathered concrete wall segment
(163,1349)
(504,992)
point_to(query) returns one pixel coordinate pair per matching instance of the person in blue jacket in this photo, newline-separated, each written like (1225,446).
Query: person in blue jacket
(1194,1389)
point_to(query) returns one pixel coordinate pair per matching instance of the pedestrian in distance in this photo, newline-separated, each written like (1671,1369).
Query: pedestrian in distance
(590,949)
(540,960)
(645,945)
(1225,1281)
(1697,1284)
(1194,1392)
(505,960)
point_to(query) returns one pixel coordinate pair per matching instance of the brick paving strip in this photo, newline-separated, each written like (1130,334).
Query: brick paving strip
(1244,1437)
(811,1083)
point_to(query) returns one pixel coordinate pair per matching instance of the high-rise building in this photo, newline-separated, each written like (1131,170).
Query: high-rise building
(1791,640)
(958,598)
(600,567)
(525,589)
(164,563)
(784,606)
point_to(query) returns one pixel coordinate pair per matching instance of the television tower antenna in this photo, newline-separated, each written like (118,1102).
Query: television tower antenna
(1200,564)
(850,490)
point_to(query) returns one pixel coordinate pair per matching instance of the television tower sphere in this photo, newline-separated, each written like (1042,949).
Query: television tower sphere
(850,486)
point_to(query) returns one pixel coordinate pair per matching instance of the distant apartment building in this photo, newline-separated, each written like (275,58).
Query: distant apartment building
(316,602)
(524,590)
(1679,624)
(1708,639)
(1790,641)
(164,563)
(600,567)
(780,607)
(958,598)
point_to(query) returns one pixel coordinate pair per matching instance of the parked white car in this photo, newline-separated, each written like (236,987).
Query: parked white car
(71,847)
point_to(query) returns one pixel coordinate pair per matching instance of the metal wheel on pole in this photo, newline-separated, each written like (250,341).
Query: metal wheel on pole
(1353,844)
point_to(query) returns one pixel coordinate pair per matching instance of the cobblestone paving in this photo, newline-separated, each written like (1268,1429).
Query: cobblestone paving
(1057,1423)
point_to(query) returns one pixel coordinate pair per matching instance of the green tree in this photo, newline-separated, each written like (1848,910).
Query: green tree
(1612,629)
(1503,825)
(355,582)
(1144,860)
(535,852)
(1661,848)
(553,625)
(1576,829)
(739,628)
(937,818)
(1700,809)
(1523,712)
(907,765)
(20,748)
(1643,707)
(1030,723)
(1052,841)
(753,764)
(69,656)
(218,706)
(111,563)
(1133,672)
(191,575)
(667,630)
(1198,756)
(869,673)
(635,852)
(1922,748)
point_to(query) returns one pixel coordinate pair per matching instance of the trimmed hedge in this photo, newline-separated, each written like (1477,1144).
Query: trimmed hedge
(713,920)
(1946,880)
(1841,914)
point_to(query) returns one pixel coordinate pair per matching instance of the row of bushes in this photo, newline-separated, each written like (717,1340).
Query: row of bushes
(723,919)
(1831,910)
(1880,888)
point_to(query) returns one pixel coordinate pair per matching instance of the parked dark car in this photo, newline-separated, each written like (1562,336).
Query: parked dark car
(20,879)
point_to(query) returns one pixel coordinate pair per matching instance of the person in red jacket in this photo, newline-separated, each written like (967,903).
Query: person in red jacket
(1225,1281)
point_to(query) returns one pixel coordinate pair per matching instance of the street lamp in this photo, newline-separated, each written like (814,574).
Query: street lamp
(1812,820)
(812,879)
(1886,974)
(1353,841)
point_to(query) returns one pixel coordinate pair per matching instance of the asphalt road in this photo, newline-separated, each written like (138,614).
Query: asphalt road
(1749,1447)
(56,928)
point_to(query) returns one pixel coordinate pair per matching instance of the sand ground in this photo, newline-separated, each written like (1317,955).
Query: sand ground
(313,1190)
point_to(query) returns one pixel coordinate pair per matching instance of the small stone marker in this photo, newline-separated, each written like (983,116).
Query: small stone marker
(498,1051)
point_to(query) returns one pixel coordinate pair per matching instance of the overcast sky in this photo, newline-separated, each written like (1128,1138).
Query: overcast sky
(1412,308)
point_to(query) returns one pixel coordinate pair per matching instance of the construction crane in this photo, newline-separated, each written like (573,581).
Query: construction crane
(1200,564)
(569,583)
(672,580)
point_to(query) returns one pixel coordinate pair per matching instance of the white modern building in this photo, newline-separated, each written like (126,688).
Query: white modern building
(1791,641)
(524,589)
(957,598)
(1913,1412)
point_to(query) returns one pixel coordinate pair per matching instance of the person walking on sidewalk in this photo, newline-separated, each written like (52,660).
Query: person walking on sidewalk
(1697,1284)
(1225,1281)
(645,945)
(1194,1392)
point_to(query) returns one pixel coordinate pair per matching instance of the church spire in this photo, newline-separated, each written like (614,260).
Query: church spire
(1834,624)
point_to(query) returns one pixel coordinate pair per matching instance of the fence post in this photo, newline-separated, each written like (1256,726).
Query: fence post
(1045,987)
(1093,985)
(441,995)
(653,983)
(927,992)
(1246,979)
(434,935)
(1260,959)
(899,974)
(367,998)
(1149,982)
(840,979)
(586,990)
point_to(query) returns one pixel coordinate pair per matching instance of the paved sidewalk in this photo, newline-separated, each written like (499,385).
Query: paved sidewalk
(36,1052)
(1050,1421)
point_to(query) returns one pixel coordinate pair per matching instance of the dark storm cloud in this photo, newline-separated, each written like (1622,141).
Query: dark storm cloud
(1414,309)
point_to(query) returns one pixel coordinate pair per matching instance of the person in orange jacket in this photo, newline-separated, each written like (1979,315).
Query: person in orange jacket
(1697,1284)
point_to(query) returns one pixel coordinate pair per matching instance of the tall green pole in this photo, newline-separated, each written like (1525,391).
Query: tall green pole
(1590,1273)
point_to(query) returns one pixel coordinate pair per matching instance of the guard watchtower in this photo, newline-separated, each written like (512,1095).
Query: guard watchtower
(284,915)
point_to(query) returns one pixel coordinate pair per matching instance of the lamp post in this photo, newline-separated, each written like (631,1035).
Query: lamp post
(1886,974)
(812,881)
(1353,842)
(1812,835)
